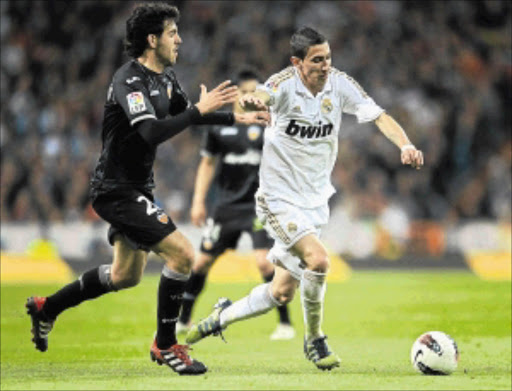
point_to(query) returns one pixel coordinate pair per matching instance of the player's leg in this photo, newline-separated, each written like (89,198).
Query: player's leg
(313,286)
(219,235)
(284,329)
(193,289)
(178,253)
(125,271)
(260,300)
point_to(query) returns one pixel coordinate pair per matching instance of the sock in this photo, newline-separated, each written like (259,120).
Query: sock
(91,284)
(312,290)
(259,301)
(170,295)
(282,310)
(193,288)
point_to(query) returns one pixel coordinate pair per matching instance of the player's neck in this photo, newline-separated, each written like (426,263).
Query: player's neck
(151,62)
(313,88)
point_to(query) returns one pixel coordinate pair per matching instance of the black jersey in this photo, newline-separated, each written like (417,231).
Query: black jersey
(236,179)
(135,94)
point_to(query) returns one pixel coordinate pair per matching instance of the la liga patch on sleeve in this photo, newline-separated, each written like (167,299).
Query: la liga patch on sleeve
(136,102)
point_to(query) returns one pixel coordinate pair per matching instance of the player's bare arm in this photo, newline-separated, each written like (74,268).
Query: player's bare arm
(204,178)
(394,132)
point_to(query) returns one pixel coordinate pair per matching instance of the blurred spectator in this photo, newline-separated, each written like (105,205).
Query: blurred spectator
(443,69)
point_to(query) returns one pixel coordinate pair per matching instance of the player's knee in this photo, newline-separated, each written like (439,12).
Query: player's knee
(283,295)
(317,261)
(203,263)
(125,280)
(182,260)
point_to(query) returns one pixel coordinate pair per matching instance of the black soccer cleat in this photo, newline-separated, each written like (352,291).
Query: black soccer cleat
(176,357)
(41,324)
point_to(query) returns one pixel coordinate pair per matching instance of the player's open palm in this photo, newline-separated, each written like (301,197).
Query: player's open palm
(210,101)
(412,156)
(198,214)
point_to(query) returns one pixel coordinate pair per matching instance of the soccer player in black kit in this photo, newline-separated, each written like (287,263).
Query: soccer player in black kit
(145,107)
(236,180)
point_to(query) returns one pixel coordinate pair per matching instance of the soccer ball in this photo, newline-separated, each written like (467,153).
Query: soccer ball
(435,353)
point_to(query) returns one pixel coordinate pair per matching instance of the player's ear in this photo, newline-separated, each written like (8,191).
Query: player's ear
(295,60)
(152,40)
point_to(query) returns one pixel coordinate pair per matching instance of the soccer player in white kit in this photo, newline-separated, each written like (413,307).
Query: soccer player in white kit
(306,102)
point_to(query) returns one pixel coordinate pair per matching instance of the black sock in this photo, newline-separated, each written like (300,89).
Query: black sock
(170,295)
(89,286)
(284,317)
(193,288)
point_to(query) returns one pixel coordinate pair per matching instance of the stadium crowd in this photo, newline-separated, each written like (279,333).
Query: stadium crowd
(442,69)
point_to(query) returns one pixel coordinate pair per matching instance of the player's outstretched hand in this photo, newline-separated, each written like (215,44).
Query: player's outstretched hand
(256,117)
(251,103)
(216,98)
(412,156)
(198,214)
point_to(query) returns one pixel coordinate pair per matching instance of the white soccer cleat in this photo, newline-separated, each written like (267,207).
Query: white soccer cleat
(283,332)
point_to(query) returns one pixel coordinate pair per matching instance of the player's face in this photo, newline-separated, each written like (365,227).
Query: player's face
(314,69)
(168,44)
(244,87)
(247,86)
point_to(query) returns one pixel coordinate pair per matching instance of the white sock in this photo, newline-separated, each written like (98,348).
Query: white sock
(312,293)
(259,301)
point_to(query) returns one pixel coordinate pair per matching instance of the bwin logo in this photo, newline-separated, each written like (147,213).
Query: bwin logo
(308,131)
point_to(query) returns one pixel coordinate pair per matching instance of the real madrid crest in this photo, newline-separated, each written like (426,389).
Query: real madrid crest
(292,227)
(326,106)
(253,132)
(169,90)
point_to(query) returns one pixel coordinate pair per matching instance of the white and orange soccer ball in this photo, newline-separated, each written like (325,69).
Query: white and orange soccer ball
(435,353)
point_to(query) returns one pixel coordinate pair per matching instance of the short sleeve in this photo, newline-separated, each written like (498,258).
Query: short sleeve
(356,101)
(133,96)
(276,91)
(209,145)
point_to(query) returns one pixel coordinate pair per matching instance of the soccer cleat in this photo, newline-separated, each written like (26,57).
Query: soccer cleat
(318,352)
(182,328)
(283,331)
(177,358)
(210,325)
(41,325)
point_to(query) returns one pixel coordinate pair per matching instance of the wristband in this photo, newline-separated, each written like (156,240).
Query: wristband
(407,146)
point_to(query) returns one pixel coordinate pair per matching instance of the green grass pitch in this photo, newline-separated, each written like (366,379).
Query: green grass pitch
(371,320)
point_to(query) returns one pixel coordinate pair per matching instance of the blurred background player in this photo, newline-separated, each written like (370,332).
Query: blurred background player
(145,107)
(239,150)
(306,101)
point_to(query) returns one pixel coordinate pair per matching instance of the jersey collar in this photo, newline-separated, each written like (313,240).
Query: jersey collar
(303,90)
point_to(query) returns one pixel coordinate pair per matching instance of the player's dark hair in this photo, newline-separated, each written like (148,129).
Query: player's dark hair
(147,19)
(303,39)
(246,73)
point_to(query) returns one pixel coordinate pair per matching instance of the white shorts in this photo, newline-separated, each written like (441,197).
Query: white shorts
(287,224)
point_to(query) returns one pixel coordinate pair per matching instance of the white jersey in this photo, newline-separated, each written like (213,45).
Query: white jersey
(301,143)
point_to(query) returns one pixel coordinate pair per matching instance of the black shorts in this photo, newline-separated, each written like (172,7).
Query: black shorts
(222,234)
(133,214)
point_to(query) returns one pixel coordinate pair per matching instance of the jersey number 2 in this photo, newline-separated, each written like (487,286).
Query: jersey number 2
(150,207)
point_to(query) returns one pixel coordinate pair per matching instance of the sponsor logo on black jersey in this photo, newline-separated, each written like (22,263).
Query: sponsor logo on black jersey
(320,130)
